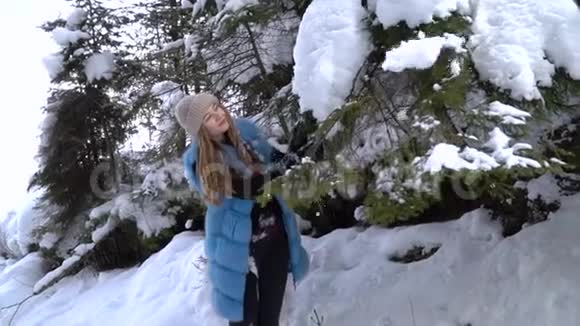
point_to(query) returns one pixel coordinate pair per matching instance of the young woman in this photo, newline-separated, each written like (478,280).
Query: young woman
(250,247)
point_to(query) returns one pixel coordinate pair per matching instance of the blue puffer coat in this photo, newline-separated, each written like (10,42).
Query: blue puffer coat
(228,229)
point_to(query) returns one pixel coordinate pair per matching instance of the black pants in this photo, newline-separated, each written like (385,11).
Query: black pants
(264,294)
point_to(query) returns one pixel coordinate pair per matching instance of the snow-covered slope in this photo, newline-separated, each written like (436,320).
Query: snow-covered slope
(476,277)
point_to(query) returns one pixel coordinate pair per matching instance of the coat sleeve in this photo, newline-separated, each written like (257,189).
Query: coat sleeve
(189,158)
(256,137)
(260,143)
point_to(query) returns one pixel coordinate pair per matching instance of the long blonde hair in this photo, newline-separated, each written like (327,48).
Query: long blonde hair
(211,170)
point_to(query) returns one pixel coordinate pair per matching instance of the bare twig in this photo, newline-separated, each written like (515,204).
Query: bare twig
(316,319)
(17,305)
(412,311)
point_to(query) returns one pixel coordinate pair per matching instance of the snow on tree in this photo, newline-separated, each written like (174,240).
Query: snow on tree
(64,36)
(416,12)
(518,45)
(100,66)
(331,47)
(53,64)
(76,18)
(422,53)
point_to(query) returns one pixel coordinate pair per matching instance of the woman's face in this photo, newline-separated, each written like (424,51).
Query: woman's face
(215,122)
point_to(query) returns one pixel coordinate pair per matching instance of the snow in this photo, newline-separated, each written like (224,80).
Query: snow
(360,214)
(468,136)
(545,187)
(536,287)
(448,156)
(76,18)
(415,12)
(162,179)
(503,153)
(168,92)
(514,40)
(102,231)
(168,289)
(147,203)
(510,114)
(54,64)
(186,4)
(558,161)
(235,5)
(455,68)
(369,144)
(189,43)
(64,37)
(331,46)
(48,240)
(17,230)
(427,123)
(54,274)
(16,280)
(512,121)
(100,66)
(83,249)
(501,109)
(46,127)
(79,52)
(198,7)
(475,277)
(172,45)
(421,53)
(336,128)
(148,214)
(303,225)
(564,49)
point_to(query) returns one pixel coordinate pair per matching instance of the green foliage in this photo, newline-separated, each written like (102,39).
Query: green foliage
(87,127)
(453,89)
(91,121)
(563,143)
(93,224)
(155,243)
(253,14)
(382,210)
(394,35)
(86,120)
(300,187)
(52,258)
(455,24)
(308,183)
(559,97)
(184,209)
(410,196)
(391,37)
(346,117)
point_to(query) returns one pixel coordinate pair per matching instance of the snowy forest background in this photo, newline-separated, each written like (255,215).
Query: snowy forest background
(404,113)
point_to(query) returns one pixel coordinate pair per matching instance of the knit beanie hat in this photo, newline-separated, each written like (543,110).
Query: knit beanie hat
(191,109)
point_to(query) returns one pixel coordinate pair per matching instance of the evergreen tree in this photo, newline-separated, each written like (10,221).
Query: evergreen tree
(381,144)
(85,119)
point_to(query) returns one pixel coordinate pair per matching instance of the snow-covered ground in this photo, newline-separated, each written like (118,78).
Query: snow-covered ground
(476,277)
